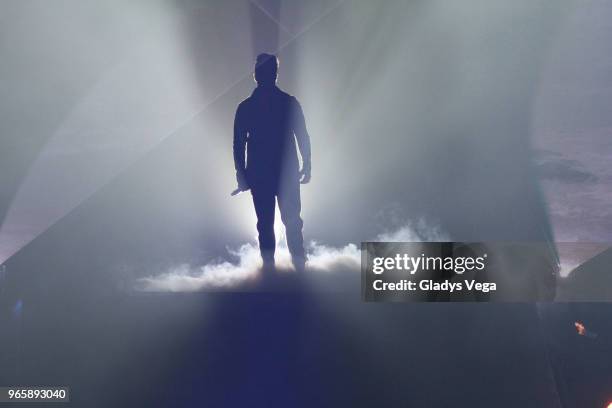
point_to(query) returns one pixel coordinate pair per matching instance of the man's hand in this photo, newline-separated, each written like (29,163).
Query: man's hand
(305,175)
(243,184)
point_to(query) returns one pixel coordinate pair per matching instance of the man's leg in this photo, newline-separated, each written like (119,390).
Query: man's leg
(264,201)
(290,207)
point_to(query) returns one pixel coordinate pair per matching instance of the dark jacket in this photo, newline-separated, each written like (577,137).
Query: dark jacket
(268,123)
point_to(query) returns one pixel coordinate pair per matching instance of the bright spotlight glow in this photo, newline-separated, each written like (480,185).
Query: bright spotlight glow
(128,109)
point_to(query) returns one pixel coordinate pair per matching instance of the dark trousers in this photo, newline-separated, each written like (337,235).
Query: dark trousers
(288,196)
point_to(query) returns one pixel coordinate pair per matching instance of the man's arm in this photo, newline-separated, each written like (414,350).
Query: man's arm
(303,141)
(240,140)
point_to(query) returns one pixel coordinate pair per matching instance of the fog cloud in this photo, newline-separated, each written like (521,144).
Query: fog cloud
(246,264)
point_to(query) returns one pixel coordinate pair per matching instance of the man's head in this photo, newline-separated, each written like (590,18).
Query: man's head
(266,69)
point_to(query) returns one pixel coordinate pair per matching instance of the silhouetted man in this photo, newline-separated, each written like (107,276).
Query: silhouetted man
(268,123)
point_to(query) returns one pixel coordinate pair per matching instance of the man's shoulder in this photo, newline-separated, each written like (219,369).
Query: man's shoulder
(290,100)
(287,96)
(244,106)
(245,103)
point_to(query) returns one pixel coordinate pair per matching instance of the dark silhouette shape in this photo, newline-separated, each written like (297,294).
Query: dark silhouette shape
(267,124)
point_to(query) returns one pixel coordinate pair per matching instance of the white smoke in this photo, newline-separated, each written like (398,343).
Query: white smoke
(216,274)
(223,274)
(419,232)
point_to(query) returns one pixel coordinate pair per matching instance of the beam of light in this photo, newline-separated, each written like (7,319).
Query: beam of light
(130,107)
(271,17)
(382,91)
(41,200)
